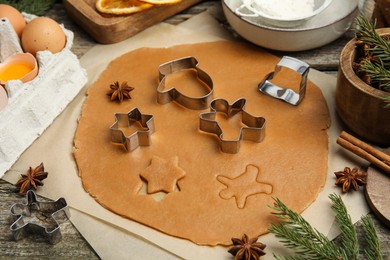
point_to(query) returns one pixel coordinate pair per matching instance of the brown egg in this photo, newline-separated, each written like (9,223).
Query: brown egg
(42,34)
(14,16)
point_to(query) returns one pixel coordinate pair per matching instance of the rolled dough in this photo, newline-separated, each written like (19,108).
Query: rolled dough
(212,196)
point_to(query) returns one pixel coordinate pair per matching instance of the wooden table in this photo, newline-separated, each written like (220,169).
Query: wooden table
(73,244)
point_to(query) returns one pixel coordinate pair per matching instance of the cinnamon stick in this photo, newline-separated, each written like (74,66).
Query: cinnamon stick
(365,151)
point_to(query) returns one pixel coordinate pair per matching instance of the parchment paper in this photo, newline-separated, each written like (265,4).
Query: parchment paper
(115,237)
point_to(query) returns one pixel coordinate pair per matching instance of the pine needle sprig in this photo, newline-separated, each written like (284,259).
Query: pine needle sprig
(296,233)
(373,250)
(380,76)
(373,56)
(378,47)
(387,100)
(348,231)
(30,6)
(308,243)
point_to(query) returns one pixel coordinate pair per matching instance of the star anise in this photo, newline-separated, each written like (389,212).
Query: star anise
(246,249)
(119,91)
(350,177)
(33,179)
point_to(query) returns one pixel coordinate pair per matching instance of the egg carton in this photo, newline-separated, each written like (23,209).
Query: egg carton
(33,106)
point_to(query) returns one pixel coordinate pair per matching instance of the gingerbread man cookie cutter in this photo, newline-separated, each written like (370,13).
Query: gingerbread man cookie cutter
(286,94)
(136,139)
(253,131)
(172,94)
(31,217)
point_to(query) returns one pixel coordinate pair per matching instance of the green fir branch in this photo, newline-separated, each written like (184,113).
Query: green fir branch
(387,100)
(374,55)
(380,76)
(296,233)
(379,48)
(37,7)
(348,230)
(373,250)
(308,243)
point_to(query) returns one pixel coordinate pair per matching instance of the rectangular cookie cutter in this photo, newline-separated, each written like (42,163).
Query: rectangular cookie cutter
(286,94)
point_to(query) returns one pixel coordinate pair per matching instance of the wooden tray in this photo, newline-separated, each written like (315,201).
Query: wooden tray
(109,28)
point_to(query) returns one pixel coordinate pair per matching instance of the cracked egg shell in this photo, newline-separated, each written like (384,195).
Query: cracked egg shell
(41,34)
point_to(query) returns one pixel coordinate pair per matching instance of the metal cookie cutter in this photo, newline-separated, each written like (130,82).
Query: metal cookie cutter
(254,131)
(172,94)
(288,95)
(138,138)
(39,217)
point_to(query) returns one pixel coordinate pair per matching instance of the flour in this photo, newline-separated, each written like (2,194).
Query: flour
(286,9)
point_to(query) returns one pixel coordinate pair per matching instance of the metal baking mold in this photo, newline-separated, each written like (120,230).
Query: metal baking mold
(172,94)
(253,131)
(136,139)
(39,217)
(286,94)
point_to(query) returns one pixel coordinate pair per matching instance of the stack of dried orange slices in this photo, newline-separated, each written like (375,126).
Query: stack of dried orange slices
(120,7)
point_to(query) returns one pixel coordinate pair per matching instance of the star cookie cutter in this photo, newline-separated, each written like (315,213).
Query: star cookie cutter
(136,139)
(286,94)
(253,131)
(34,215)
(172,94)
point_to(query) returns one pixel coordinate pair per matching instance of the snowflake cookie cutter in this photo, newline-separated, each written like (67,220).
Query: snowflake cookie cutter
(286,94)
(253,131)
(172,94)
(39,217)
(136,139)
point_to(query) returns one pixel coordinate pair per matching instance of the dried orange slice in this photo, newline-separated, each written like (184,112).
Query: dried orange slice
(161,2)
(121,6)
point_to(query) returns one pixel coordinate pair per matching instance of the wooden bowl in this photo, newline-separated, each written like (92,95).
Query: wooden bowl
(360,106)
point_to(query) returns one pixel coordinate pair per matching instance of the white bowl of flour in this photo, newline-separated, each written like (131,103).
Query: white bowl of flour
(321,29)
(282,13)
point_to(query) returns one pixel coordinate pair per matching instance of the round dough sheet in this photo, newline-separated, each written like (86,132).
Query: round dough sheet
(207,196)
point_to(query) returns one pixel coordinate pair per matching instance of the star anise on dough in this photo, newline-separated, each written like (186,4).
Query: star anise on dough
(350,177)
(246,249)
(119,91)
(32,179)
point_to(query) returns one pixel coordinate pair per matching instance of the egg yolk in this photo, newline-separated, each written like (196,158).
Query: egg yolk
(15,71)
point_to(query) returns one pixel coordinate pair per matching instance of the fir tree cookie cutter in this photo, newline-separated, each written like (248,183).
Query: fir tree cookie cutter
(39,217)
(253,131)
(139,138)
(286,94)
(172,94)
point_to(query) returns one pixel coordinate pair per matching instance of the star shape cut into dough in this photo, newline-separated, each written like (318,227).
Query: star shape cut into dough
(163,175)
(243,186)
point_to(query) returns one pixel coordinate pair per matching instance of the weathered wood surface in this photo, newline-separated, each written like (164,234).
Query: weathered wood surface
(73,245)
